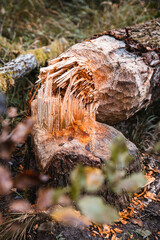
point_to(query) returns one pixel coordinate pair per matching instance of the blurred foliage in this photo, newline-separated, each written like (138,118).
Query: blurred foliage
(87,180)
(33,22)
(84,182)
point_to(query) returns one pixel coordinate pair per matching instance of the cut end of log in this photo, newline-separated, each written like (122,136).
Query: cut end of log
(101,71)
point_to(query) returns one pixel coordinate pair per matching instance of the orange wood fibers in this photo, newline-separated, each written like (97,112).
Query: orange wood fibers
(65,114)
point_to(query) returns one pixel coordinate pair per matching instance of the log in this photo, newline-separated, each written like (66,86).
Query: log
(28,61)
(109,77)
(118,70)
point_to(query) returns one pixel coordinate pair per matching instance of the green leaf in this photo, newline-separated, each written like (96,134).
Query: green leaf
(58,193)
(96,210)
(119,152)
(131,183)
(143,233)
(77,181)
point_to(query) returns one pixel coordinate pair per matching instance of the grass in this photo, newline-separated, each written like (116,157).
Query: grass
(142,129)
(36,23)
(19,225)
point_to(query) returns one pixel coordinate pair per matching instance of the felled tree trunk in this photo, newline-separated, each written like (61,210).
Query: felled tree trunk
(119,70)
(108,77)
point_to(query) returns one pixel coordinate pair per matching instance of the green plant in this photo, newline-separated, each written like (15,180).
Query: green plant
(143,132)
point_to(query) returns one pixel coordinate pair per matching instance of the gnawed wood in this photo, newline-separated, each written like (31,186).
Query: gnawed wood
(87,144)
(113,70)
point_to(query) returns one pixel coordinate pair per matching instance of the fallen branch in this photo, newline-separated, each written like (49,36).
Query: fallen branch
(27,61)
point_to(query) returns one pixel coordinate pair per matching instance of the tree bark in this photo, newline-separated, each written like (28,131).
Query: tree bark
(20,66)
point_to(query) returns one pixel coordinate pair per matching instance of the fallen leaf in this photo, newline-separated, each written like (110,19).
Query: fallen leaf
(1,218)
(149,181)
(137,221)
(69,216)
(5,181)
(22,130)
(114,237)
(29,178)
(106,227)
(124,214)
(45,198)
(123,221)
(12,112)
(20,206)
(117,230)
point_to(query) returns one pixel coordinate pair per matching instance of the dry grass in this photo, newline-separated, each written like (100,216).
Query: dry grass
(19,225)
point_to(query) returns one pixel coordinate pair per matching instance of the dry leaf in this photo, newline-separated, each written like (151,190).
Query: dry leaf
(137,221)
(29,178)
(114,237)
(117,230)
(106,228)
(70,216)
(149,180)
(5,181)
(64,201)
(12,112)
(45,198)
(1,218)
(123,221)
(22,130)
(20,206)
(150,195)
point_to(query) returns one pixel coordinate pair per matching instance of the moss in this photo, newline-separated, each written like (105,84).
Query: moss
(40,55)
(6,81)
(57,47)
(46,53)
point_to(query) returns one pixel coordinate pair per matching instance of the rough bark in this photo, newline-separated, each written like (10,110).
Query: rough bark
(57,157)
(20,66)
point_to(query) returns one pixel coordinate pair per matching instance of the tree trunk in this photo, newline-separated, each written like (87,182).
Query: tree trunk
(118,70)
(109,77)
